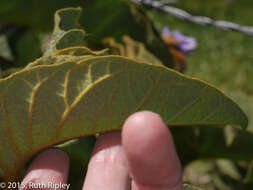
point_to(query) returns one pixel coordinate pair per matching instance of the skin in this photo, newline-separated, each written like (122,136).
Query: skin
(141,157)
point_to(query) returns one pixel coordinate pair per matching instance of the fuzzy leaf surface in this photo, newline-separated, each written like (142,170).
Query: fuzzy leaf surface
(48,104)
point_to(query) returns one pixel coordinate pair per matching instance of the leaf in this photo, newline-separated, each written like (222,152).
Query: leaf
(249,175)
(5,51)
(66,33)
(210,143)
(214,174)
(227,167)
(229,134)
(104,18)
(190,187)
(68,54)
(20,11)
(26,48)
(48,104)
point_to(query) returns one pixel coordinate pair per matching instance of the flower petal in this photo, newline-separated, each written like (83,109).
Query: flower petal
(166,31)
(178,35)
(187,45)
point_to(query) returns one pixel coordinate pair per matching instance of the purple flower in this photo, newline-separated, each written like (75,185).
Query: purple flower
(185,44)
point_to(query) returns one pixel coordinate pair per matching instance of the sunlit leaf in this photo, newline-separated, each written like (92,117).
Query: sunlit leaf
(227,167)
(191,187)
(5,51)
(229,134)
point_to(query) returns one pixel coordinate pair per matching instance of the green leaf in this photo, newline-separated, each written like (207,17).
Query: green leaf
(20,11)
(68,54)
(227,167)
(229,134)
(5,51)
(249,175)
(191,187)
(210,142)
(66,33)
(27,48)
(46,105)
(104,18)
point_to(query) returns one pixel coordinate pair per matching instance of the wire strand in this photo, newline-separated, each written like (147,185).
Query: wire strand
(200,20)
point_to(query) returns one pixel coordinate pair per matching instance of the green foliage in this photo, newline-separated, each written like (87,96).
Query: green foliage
(5,51)
(128,18)
(37,14)
(76,92)
(27,48)
(190,187)
(218,59)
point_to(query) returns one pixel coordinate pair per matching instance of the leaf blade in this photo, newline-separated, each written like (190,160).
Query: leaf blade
(57,102)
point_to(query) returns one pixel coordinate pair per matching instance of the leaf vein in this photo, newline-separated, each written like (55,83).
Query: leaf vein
(79,97)
(149,94)
(31,107)
(65,92)
(7,130)
(186,107)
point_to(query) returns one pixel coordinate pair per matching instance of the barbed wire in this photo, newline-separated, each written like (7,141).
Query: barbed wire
(201,20)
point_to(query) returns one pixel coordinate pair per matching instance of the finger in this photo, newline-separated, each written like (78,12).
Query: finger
(107,168)
(49,169)
(150,152)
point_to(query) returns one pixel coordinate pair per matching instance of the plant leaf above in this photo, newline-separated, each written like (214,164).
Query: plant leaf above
(66,30)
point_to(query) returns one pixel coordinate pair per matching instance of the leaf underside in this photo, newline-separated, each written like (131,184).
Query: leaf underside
(83,94)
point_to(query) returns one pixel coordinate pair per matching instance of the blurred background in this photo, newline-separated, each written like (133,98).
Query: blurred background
(213,158)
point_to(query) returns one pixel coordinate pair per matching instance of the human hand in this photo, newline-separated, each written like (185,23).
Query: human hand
(141,157)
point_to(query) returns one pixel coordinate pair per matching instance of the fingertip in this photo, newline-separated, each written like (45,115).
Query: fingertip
(144,130)
(54,159)
(107,167)
(150,150)
(51,165)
